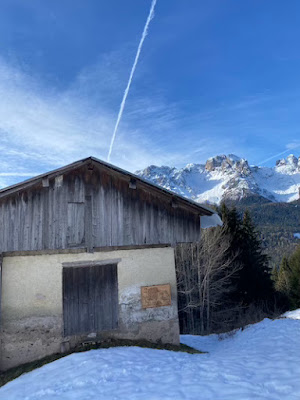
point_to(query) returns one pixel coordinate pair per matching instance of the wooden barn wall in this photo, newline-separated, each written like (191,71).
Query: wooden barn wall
(91,209)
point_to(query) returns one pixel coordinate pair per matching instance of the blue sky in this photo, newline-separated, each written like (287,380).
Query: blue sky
(214,77)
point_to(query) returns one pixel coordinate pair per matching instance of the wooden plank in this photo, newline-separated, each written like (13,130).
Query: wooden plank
(39,221)
(99,304)
(91,296)
(138,217)
(1,230)
(114,297)
(156,222)
(56,211)
(45,217)
(32,224)
(28,222)
(51,225)
(111,298)
(106,217)
(14,222)
(1,261)
(75,307)
(105,297)
(120,218)
(114,213)
(83,302)
(103,239)
(66,301)
(127,221)
(108,300)
(88,224)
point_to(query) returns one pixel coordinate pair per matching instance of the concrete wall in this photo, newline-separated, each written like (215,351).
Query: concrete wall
(32,305)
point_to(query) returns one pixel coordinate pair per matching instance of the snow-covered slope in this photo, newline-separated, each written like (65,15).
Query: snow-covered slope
(230,177)
(260,363)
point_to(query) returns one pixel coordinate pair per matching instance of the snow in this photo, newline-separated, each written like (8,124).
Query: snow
(229,177)
(235,158)
(297,235)
(262,362)
(282,182)
(292,314)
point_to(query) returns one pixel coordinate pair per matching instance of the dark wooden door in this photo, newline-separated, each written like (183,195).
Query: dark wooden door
(90,299)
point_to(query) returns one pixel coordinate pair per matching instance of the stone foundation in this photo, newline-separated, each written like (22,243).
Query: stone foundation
(29,339)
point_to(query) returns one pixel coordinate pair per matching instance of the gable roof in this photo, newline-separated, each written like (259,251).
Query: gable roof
(85,161)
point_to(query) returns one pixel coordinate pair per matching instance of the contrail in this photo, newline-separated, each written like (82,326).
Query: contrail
(279,154)
(145,31)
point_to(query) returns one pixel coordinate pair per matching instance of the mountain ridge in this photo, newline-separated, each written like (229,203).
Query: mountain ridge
(230,178)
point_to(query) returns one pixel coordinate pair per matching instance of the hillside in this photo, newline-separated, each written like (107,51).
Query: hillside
(259,362)
(277,223)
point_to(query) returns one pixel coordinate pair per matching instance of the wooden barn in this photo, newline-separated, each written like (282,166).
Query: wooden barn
(87,251)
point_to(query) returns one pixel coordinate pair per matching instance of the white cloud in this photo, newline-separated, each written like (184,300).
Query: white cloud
(293,145)
(42,128)
(45,128)
(49,128)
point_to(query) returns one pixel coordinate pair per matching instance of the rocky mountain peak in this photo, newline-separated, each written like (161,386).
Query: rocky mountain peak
(290,162)
(229,163)
(229,177)
(153,170)
(214,162)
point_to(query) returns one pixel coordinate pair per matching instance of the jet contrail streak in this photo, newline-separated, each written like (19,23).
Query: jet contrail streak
(279,154)
(145,31)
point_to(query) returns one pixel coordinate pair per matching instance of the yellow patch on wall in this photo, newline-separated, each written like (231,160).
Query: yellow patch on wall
(156,296)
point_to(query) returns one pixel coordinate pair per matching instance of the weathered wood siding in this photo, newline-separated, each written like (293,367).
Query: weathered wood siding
(0,286)
(90,299)
(85,208)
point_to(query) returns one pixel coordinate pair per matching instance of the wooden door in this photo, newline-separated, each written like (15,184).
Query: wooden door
(90,299)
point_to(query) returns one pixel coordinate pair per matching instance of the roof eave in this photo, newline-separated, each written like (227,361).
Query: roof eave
(32,181)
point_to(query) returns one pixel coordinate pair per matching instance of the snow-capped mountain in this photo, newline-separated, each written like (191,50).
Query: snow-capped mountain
(230,178)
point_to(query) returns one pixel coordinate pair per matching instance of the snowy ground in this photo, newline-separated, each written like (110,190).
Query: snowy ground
(261,362)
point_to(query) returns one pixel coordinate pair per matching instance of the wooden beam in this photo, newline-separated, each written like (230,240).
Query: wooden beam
(90,167)
(174,203)
(132,183)
(84,250)
(111,261)
(45,182)
(59,181)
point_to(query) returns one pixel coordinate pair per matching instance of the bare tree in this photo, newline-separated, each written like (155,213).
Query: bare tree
(205,274)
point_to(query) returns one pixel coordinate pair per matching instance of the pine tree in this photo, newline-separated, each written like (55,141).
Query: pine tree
(256,277)
(274,274)
(294,279)
(253,282)
(282,283)
(288,279)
